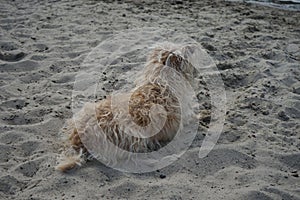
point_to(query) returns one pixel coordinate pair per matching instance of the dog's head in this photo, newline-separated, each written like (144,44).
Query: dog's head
(174,57)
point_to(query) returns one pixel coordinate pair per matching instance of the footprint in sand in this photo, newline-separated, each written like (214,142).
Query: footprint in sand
(12,57)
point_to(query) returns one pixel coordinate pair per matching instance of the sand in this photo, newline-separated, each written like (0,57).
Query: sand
(256,49)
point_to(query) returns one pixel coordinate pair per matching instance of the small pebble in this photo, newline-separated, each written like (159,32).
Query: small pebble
(283,116)
(162,176)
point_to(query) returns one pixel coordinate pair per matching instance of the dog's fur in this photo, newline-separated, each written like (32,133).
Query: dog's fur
(148,92)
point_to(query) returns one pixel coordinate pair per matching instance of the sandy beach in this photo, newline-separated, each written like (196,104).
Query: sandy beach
(256,50)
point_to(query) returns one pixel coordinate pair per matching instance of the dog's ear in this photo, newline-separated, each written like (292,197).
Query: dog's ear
(159,55)
(181,65)
(178,61)
(174,61)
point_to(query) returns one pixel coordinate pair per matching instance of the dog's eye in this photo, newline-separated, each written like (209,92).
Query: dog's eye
(179,58)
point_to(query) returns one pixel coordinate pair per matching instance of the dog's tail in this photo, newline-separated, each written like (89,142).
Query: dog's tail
(73,152)
(70,159)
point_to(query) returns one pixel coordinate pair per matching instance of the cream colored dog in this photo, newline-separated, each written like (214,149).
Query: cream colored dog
(148,92)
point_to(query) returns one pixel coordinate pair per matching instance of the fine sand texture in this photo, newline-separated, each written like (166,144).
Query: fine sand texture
(256,49)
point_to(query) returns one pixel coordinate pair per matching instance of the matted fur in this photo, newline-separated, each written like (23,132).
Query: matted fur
(148,92)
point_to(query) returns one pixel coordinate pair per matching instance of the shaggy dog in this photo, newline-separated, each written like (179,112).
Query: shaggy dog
(149,92)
